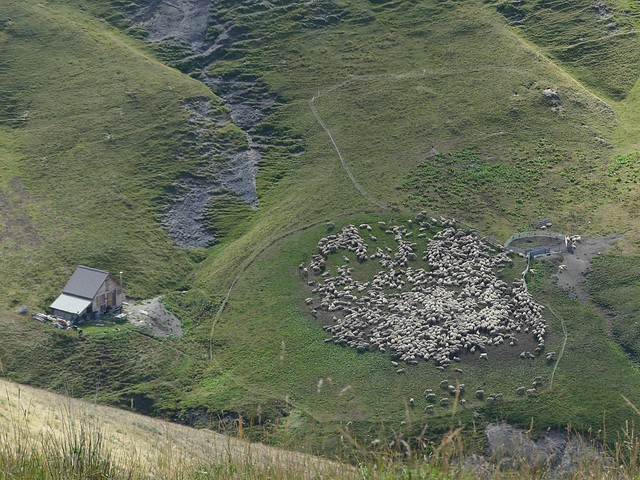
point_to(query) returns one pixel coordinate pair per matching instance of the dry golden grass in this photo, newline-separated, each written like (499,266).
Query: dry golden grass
(53,437)
(156,447)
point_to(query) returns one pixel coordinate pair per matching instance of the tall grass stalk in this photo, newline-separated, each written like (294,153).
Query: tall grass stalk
(77,443)
(76,450)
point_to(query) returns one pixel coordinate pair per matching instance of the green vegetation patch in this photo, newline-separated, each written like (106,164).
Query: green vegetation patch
(625,168)
(451,178)
(226,215)
(533,183)
(89,363)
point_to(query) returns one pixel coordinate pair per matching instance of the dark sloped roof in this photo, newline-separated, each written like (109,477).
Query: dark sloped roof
(85,282)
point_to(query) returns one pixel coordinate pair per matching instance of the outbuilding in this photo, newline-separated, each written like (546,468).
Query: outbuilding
(88,294)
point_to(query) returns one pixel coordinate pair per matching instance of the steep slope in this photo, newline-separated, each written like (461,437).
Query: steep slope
(95,132)
(519,139)
(94,135)
(596,42)
(37,419)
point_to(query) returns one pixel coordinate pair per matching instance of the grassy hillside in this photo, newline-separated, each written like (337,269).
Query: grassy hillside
(383,109)
(613,285)
(597,43)
(94,132)
(48,436)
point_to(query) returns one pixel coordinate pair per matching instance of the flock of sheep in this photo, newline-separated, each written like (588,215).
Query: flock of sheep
(458,390)
(431,299)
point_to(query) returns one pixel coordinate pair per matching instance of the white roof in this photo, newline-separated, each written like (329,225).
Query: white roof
(70,304)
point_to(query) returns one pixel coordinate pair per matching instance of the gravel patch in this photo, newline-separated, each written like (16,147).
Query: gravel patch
(572,278)
(153,316)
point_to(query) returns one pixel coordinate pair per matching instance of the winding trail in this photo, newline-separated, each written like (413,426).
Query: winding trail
(266,244)
(359,187)
(247,263)
(390,76)
(564,344)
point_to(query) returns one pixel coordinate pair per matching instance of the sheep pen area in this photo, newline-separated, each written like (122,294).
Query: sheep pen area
(424,291)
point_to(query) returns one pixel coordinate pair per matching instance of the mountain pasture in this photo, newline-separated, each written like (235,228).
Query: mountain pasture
(376,111)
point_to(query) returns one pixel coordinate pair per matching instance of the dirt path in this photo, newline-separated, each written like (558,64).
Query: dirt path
(572,278)
(356,78)
(152,315)
(360,189)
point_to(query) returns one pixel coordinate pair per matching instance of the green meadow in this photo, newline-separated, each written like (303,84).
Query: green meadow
(497,114)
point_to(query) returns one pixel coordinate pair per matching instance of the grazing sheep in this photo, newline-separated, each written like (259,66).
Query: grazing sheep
(453,304)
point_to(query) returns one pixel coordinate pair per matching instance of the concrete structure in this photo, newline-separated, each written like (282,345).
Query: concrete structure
(539,251)
(88,294)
